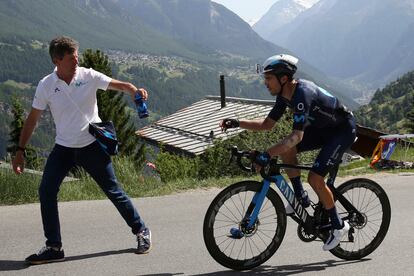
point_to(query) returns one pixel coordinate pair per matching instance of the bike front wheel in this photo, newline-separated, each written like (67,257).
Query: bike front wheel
(369,231)
(227,212)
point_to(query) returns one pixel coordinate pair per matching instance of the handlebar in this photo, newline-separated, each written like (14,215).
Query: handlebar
(272,169)
(235,153)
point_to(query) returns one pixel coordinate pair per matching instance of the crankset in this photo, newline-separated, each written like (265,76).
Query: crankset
(305,236)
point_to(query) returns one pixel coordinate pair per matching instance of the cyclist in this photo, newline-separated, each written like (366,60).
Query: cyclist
(320,121)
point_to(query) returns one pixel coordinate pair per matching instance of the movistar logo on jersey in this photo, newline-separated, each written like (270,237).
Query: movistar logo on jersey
(80,83)
(299,118)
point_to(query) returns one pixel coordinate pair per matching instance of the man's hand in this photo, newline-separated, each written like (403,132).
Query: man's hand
(142,92)
(18,162)
(229,123)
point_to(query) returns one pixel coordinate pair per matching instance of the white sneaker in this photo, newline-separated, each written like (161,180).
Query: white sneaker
(289,209)
(335,237)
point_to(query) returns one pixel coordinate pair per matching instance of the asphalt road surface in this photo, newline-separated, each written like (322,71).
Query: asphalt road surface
(98,242)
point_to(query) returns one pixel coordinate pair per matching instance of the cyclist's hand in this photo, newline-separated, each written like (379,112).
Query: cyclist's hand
(229,123)
(262,159)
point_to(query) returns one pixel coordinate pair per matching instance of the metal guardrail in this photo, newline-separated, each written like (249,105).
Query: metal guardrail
(8,166)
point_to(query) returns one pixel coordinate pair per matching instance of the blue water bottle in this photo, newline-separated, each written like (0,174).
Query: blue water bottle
(141,106)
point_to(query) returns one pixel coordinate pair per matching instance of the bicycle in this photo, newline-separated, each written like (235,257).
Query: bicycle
(246,222)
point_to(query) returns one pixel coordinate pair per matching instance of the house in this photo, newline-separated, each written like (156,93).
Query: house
(191,130)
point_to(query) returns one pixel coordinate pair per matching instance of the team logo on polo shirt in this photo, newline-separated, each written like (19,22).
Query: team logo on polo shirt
(80,83)
(57,89)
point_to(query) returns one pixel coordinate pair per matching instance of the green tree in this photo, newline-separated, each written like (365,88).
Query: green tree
(111,105)
(16,125)
(33,159)
(410,120)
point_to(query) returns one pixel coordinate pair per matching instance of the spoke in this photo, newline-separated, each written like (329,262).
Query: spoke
(254,243)
(262,209)
(271,215)
(264,234)
(222,236)
(250,245)
(379,204)
(241,202)
(224,226)
(372,228)
(224,204)
(363,209)
(363,199)
(267,230)
(230,219)
(238,209)
(271,207)
(268,223)
(231,251)
(228,239)
(244,241)
(260,237)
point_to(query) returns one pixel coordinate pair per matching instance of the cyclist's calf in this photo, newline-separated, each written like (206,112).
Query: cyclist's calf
(321,189)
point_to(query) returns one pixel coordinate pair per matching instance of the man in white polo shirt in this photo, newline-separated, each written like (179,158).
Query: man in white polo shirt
(70,93)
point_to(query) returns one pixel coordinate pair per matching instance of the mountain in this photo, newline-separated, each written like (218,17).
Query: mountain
(280,13)
(389,107)
(189,28)
(369,42)
(197,30)
(202,24)
(174,48)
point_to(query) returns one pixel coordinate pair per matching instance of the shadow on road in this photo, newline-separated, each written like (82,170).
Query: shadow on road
(6,265)
(9,265)
(287,269)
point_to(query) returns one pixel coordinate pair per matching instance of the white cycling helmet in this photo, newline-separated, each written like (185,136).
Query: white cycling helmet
(280,64)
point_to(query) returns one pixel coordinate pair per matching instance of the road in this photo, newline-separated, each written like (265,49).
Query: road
(98,242)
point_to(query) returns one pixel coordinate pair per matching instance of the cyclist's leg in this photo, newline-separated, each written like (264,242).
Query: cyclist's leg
(336,141)
(311,140)
(290,157)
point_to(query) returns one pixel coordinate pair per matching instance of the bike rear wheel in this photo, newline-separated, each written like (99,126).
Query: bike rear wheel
(227,211)
(370,199)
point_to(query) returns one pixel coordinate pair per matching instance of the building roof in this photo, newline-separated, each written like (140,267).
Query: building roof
(193,129)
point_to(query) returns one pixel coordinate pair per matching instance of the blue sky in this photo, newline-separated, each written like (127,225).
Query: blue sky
(248,10)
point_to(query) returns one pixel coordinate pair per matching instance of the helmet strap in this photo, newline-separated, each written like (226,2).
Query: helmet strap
(280,83)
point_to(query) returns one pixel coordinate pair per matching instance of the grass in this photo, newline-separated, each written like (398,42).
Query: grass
(23,189)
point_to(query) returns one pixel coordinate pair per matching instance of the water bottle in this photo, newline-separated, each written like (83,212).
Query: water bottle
(141,106)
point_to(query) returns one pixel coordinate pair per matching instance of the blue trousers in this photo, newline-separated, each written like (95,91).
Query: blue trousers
(99,165)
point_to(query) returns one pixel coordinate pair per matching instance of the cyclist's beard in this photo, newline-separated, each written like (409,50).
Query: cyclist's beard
(273,92)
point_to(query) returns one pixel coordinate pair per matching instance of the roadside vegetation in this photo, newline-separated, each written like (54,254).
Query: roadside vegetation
(172,174)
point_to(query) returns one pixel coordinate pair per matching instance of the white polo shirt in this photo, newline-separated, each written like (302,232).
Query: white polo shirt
(71,124)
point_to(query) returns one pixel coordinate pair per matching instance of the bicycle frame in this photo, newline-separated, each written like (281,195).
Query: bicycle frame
(302,216)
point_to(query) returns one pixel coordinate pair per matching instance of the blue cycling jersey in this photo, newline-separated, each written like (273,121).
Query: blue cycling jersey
(312,106)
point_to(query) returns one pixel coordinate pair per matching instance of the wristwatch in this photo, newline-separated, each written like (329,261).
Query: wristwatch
(19,148)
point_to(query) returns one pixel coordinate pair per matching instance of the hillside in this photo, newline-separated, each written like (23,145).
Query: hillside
(188,28)
(388,109)
(175,48)
(366,42)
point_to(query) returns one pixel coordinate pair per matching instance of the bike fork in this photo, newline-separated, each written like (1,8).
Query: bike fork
(256,204)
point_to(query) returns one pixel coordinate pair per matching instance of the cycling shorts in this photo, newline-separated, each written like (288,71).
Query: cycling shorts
(332,141)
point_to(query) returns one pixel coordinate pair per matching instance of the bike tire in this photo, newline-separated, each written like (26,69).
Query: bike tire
(229,200)
(377,213)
